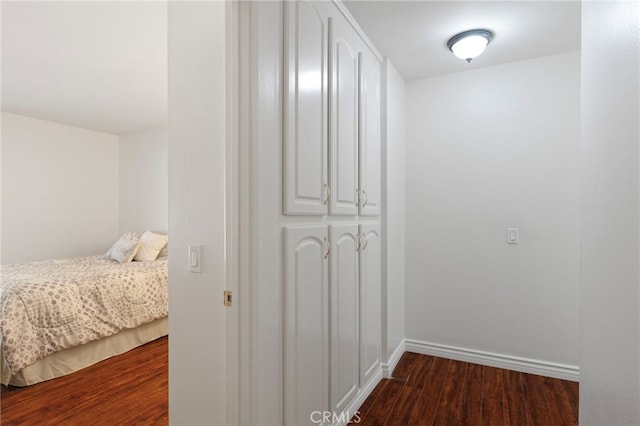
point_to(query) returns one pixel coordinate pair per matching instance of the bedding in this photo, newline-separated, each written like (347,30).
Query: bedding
(49,306)
(78,357)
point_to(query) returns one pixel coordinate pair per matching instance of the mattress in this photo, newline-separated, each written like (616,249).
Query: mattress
(50,306)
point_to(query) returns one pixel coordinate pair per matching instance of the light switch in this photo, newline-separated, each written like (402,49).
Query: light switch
(195,258)
(513,236)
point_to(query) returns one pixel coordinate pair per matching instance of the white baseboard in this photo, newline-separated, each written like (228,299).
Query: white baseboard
(384,371)
(363,394)
(508,362)
(390,365)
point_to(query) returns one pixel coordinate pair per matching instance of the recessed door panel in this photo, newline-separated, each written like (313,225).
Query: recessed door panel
(305,181)
(344,316)
(344,121)
(370,301)
(370,136)
(306,367)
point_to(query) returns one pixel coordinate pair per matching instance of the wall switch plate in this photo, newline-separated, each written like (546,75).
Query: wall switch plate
(513,235)
(195,258)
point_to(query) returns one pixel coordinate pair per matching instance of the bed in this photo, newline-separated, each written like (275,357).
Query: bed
(58,316)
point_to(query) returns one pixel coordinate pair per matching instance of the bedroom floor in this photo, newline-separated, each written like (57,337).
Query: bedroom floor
(128,389)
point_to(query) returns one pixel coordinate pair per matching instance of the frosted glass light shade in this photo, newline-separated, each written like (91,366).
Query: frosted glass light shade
(469,44)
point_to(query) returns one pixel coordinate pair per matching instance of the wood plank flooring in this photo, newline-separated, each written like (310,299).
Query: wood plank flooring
(426,390)
(130,389)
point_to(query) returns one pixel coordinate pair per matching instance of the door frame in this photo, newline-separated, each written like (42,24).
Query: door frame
(239,216)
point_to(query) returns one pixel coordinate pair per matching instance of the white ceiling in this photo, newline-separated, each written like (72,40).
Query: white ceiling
(414,34)
(96,65)
(103,65)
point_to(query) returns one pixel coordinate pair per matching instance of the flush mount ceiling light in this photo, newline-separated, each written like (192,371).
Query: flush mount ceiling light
(469,44)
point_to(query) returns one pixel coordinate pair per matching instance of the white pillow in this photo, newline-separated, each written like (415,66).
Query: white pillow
(164,253)
(124,250)
(129,235)
(150,246)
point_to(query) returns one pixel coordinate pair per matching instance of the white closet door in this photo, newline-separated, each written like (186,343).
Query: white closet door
(370,133)
(305,102)
(370,301)
(345,348)
(306,369)
(344,120)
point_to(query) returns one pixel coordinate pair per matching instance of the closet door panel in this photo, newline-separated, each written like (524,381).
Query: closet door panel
(345,348)
(344,120)
(305,103)
(306,387)
(370,301)
(370,134)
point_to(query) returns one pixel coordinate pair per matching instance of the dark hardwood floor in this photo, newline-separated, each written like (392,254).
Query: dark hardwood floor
(426,390)
(130,389)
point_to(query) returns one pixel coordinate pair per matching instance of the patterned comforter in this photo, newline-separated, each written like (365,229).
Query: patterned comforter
(52,305)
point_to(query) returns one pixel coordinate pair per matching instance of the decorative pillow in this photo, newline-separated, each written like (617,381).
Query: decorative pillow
(129,235)
(150,246)
(134,235)
(124,250)
(164,253)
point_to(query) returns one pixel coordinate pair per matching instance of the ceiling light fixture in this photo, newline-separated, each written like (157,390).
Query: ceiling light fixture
(469,44)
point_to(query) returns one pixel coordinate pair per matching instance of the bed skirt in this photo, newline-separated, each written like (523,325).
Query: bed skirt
(79,357)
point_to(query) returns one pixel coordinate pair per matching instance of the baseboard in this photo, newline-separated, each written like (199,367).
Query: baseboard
(384,371)
(508,362)
(390,365)
(364,393)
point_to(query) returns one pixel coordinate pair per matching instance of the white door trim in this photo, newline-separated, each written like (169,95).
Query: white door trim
(238,218)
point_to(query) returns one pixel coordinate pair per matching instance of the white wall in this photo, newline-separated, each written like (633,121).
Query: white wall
(488,149)
(394,207)
(197,134)
(143,177)
(610,278)
(59,190)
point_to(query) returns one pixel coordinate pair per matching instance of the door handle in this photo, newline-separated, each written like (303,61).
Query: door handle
(327,194)
(326,253)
